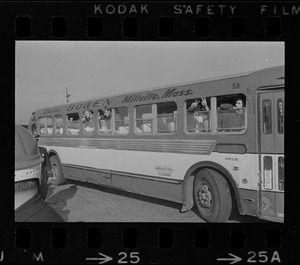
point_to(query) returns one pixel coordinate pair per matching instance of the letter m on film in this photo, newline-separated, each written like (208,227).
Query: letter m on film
(38,257)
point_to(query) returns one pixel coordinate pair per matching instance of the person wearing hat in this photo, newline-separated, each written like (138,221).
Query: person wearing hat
(29,205)
(46,169)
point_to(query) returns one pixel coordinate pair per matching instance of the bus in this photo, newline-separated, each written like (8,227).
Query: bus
(216,145)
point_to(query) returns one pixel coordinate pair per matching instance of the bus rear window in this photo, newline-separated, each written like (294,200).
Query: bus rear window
(73,124)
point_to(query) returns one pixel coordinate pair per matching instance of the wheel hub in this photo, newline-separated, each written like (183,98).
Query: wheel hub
(204,196)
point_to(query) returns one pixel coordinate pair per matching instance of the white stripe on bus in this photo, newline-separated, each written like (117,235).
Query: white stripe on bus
(243,167)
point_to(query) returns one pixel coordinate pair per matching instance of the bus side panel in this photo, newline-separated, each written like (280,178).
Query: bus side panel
(138,185)
(152,188)
(92,176)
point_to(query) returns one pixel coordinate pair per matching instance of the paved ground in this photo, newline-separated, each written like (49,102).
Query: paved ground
(86,202)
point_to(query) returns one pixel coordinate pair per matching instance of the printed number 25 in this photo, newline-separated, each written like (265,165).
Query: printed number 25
(134,257)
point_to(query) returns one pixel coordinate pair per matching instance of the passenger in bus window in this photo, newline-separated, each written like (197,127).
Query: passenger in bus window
(231,118)
(104,117)
(201,115)
(88,122)
(239,104)
(124,129)
(166,122)
(147,119)
(162,123)
(240,114)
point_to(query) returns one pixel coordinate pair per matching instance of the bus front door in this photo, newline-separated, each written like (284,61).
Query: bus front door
(271,126)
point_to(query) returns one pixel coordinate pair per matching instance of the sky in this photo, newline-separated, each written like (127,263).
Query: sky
(91,69)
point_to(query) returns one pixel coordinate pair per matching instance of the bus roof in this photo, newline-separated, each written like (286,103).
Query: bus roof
(204,80)
(218,78)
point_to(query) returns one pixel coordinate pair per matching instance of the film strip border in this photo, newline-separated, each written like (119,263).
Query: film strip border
(156,20)
(130,27)
(115,243)
(128,243)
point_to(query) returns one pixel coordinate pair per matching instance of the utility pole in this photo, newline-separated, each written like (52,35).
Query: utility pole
(67,95)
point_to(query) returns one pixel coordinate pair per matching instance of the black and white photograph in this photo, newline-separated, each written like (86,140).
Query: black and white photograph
(142,131)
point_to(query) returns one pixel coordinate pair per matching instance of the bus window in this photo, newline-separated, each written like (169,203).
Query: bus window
(144,119)
(45,126)
(88,122)
(42,126)
(166,117)
(49,124)
(121,120)
(280,116)
(267,116)
(198,115)
(59,125)
(104,121)
(34,129)
(231,113)
(268,173)
(72,123)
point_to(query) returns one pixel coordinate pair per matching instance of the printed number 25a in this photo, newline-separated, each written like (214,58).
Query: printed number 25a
(133,258)
(262,257)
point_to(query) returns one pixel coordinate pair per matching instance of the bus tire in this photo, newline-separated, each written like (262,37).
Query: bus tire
(212,196)
(57,172)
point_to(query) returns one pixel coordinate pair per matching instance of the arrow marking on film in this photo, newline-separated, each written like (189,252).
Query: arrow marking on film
(234,259)
(102,259)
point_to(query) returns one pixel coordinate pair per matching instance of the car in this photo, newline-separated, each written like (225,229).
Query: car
(29,204)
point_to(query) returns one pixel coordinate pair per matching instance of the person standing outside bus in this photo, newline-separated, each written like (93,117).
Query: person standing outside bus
(46,170)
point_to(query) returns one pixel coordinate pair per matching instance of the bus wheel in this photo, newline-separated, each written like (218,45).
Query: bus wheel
(57,173)
(212,196)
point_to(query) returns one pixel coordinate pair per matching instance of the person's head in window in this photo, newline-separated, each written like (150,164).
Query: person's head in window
(239,103)
(104,114)
(88,115)
(107,113)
